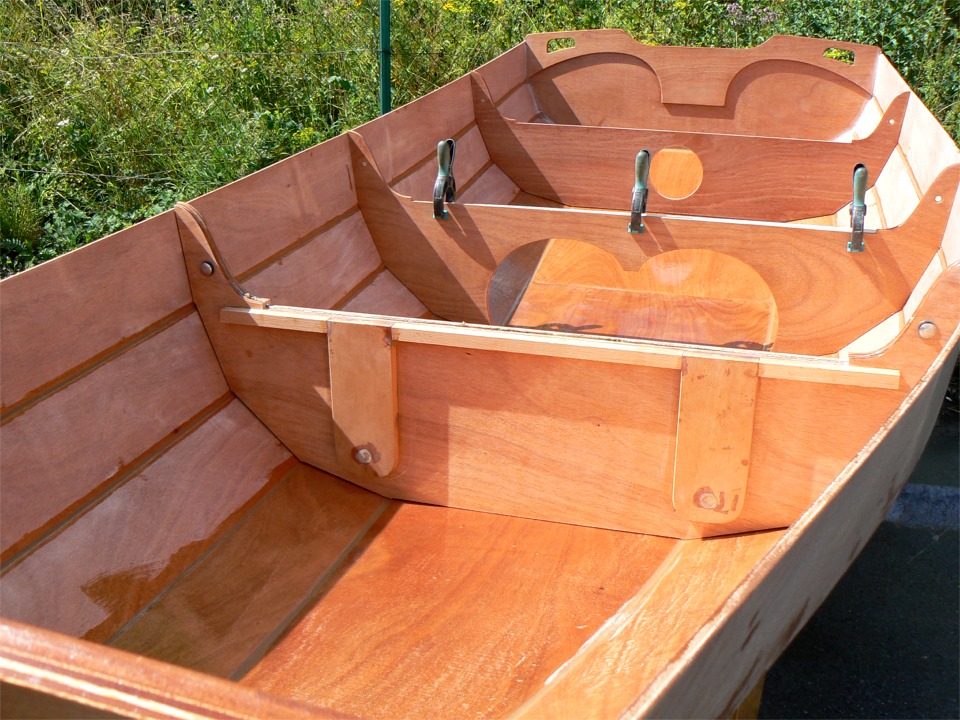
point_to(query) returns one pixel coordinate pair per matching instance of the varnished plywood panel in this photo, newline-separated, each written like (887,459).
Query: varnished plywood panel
(92,577)
(260,215)
(928,147)
(897,193)
(608,79)
(449,264)
(505,72)
(447,613)
(54,317)
(651,629)
(492,187)
(471,157)
(60,451)
(520,104)
(737,171)
(26,704)
(238,598)
(118,682)
(469,419)
(282,378)
(401,139)
(696,296)
(320,273)
(386,296)
(786,587)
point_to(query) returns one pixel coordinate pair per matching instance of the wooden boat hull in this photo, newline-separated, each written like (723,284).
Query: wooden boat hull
(301,448)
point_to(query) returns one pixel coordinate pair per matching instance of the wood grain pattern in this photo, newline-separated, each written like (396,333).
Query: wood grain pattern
(323,271)
(115,558)
(784,590)
(363,397)
(58,305)
(282,378)
(784,87)
(25,703)
(714,439)
(741,174)
(446,613)
(127,685)
(385,295)
(506,72)
(468,417)
(262,214)
(694,581)
(448,265)
(471,158)
(237,598)
(928,147)
(409,135)
(77,440)
(697,296)
(623,351)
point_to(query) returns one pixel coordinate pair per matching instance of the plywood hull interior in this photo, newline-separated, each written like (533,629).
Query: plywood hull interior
(320,452)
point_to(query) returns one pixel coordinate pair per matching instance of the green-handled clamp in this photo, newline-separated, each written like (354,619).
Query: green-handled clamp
(445,188)
(639,205)
(858,209)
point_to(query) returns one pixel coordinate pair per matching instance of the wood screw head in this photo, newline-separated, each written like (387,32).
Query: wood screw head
(363,456)
(927,330)
(707,500)
(207,268)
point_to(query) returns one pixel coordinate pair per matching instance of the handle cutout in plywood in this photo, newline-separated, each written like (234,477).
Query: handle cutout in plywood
(840,55)
(562,43)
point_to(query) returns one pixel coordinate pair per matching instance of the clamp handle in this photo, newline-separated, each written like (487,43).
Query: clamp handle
(638,205)
(858,208)
(445,187)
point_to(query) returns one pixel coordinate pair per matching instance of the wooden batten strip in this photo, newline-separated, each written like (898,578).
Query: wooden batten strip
(533,342)
(47,389)
(60,522)
(296,245)
(910,173)
(429,157)
(359,287)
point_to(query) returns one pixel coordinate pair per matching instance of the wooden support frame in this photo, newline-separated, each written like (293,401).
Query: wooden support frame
(448,344)
(448,265)
(757,178)
(363,394)
(525,341)
(702,75)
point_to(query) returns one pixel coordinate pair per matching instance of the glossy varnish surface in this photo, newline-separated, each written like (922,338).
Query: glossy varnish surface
(449,613)
(113,559)
(228,608)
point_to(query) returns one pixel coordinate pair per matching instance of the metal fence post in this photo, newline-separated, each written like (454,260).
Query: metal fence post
(384,56)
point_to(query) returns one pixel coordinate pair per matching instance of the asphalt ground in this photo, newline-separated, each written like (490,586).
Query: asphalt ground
(886,642)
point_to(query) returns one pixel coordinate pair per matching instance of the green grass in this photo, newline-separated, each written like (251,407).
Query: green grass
(111,110)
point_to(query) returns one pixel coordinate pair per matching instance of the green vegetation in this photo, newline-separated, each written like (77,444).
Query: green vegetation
(111,110)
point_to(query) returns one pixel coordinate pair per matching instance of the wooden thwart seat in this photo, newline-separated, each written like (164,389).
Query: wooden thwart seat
(697,296)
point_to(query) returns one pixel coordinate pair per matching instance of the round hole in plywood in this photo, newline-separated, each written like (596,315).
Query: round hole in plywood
(676,172)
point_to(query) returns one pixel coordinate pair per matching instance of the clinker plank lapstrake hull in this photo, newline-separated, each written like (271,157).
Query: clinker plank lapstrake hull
(586,422)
